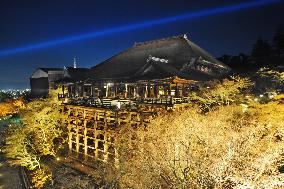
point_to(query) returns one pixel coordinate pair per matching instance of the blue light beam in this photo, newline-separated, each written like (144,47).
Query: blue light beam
(139,25)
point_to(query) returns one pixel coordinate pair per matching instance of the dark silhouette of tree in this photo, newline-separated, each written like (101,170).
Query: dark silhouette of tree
(261,49)
(263,54)
(278,41)
(225,59)
(237,63)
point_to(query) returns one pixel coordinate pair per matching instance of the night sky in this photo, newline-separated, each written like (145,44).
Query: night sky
(25,22)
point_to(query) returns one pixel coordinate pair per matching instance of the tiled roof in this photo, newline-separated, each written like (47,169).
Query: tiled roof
(184,59)
(51,69)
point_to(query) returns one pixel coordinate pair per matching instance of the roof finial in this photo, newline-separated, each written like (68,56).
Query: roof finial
(185,36)
(74,62)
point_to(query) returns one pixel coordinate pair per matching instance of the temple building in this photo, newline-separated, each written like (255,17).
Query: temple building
(156,71)
(128,90)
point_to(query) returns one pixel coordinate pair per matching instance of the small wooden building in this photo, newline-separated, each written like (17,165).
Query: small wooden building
(44,79)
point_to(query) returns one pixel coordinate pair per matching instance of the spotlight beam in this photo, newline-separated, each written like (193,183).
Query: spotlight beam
(139,25)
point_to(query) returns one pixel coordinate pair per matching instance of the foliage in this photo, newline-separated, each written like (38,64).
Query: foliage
(268,80)
(20,150)
(220,93)
(41,176)
(11,107)
(38,137)
(227,148)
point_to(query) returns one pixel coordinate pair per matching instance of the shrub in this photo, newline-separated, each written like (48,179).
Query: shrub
(217,93)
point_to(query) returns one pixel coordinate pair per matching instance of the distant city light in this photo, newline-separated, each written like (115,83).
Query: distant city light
(15,93)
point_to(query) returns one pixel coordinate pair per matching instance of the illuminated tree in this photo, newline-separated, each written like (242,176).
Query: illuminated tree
(226,148)
(11,107)
(268,80)
(220,93)
(20,150)
(42,126)
(41,176)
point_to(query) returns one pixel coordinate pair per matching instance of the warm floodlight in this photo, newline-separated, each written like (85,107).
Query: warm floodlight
(139,25)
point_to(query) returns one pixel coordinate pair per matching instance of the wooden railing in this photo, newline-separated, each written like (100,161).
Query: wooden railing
(166,101)
(112,102)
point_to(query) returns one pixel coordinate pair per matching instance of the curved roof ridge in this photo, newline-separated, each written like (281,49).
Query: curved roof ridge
(208,57)
(136,44)
(178,50)
(110,58)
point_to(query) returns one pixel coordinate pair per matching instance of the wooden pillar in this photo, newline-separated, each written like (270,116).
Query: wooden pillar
(165,89)
(79,89)
(107,88)
(170,90)
(70,135)
(96,147)
(146,90)
(83,90)
(96,133)
(130,91)
(176,90)
(149,90)
(183,90)
(85,138)
(75,90)
(115,89)
(126,91)
(137,91)
(91,90)
(72,91)
(69,91)
(77,136)
(156,92)
(134,91)
(105,149)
